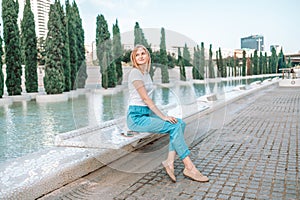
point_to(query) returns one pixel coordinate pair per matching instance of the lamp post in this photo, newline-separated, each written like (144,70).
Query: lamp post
(259,47)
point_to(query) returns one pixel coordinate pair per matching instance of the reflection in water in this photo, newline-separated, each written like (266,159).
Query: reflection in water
(199,89)
(107,108)
(85,109)
(28,126)
(161,96)
(185,94)
(211,87)
(165,96)
(114,106)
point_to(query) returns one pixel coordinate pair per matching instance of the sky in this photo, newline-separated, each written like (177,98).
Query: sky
(221,23)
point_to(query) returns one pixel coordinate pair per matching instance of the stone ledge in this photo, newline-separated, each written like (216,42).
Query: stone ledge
(108,91)
(52,98)
(240,87)
(208,98)
(32,94)
(6,101)
(72,94)
(255,83)
(19,98)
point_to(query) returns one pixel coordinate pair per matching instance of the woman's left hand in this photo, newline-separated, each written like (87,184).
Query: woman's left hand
(171,119)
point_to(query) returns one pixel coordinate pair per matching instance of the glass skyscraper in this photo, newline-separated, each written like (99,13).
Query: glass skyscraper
(253,42)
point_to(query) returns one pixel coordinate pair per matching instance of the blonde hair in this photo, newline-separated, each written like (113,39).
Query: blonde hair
(133,57)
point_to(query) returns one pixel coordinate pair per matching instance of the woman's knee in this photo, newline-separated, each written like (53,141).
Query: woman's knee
(177,128)
(181,122)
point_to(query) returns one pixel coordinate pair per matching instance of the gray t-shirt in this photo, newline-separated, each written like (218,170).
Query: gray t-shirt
(134,97)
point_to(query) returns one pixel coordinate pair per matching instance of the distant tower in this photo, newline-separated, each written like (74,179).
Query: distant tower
(253,42)
(40,9)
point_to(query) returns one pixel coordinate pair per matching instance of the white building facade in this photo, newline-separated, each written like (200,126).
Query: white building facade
(40,9)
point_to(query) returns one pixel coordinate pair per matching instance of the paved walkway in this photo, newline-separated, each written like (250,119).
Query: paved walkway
(252,154)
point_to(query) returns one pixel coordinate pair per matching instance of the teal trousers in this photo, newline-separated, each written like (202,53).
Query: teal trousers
(142,119)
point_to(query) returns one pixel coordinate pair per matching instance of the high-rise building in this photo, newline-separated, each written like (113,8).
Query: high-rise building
(40,9)
(253,42)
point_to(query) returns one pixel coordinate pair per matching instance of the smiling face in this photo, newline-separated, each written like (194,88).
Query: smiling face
(141,56)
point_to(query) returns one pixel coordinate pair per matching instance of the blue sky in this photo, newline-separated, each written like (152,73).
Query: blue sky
(220,23)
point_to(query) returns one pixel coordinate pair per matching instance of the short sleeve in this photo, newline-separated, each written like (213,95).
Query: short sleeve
(135,75)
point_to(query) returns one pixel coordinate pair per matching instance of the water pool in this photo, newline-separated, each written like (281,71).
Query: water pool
(29,126)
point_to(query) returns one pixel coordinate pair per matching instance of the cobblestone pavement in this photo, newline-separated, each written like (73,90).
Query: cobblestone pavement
(254,154)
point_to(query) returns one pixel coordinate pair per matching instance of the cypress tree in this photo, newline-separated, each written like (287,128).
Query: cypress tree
(111,70)
(102,39)
(181,66)
(104,53)
(126,56)
(65,49)
(260,63)
(30,47)
(289,64)
(10,10)
(102,35)
(218,64)
(265,64)
(81,61)
(117,52)
(111,67)
(137,34)
(202,62)
(1,73)
(163,58)
(255,63)
(273,61)
(281,61)
(139,37)
(222,67)
(186,56)
(195,72)
(210,63)
(54,80)
(71,24)
(244,61)
(171,60)
(251,64)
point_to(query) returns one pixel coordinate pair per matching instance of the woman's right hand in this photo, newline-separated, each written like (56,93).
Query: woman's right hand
(171,119)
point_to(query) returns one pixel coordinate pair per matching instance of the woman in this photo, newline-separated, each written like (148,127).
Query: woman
(144,116)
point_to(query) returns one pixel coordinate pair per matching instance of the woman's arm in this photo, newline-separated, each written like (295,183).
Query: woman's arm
(139,86)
